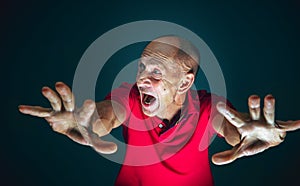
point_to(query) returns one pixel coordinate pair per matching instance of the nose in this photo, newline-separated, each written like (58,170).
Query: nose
(143,77)
(143,83)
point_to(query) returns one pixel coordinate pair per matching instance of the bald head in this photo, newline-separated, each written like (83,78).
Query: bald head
(174,49)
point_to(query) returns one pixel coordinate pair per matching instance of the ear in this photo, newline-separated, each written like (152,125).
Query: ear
(186,83)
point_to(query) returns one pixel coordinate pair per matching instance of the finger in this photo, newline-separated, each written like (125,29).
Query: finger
(35,111)
(53,98)
(269,109)
(231,115)
(246,148)
(66,95)
(225,157)
(104,147)
(85,113)
(94,140)
(61,117)
(76,136)
(254,107)
(288,125)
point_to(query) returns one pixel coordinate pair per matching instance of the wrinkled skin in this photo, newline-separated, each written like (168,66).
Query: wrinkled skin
(162,78)
(168,83)
(159,79)
(76,123)
(256,133)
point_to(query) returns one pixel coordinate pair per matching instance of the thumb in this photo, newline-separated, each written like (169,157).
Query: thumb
(101,146)
(225,157)
(249,146)
(104,147)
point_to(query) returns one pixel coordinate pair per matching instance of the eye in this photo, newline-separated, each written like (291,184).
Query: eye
(156,72)
(141,67)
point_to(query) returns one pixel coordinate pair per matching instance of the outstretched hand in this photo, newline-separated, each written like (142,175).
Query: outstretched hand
(257,133)
(66,119)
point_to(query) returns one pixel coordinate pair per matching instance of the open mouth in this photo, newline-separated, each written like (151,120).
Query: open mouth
(148,100)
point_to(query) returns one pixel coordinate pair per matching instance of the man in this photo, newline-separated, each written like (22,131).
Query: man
(166,125)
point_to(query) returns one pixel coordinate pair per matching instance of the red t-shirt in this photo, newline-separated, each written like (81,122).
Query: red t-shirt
(156,156)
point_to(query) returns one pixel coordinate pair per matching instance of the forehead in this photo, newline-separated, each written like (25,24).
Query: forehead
(162,63)
(162,52)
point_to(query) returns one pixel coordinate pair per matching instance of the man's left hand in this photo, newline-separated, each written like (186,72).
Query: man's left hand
(257,133)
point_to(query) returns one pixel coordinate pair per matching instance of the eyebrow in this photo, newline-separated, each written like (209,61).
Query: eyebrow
(154,62)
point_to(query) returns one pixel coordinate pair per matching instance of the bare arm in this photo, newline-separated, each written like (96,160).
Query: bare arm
(111,115)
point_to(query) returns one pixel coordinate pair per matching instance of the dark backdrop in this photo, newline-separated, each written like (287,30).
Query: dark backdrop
(256,44)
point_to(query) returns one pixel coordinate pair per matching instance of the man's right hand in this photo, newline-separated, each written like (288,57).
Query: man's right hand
(64,118)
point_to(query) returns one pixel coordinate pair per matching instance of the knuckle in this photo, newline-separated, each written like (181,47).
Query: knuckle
(89,102)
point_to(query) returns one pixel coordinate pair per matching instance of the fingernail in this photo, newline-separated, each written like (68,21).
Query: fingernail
(221,107)
(45,90)
(254,101)
(221,104)
(269,103)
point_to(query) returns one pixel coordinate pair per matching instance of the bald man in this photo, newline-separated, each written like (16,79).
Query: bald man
(167,126)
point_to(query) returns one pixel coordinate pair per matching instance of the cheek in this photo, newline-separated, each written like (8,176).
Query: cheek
(166,91)
(168,87)
(161,87)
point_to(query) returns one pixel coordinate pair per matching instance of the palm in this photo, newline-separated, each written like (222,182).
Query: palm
(64,118)
(256,133)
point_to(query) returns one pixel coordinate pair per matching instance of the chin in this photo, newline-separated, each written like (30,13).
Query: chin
(149,113)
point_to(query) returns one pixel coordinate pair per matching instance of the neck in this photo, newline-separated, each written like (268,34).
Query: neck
(173,108)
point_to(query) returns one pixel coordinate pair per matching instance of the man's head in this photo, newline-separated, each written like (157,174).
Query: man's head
(166,72)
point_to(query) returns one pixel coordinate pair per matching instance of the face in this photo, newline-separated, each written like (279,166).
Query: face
(158,80)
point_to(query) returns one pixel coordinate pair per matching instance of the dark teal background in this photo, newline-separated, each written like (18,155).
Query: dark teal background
(256,44)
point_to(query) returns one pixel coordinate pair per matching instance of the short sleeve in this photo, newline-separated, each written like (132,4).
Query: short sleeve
(124,95)
(208,105)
